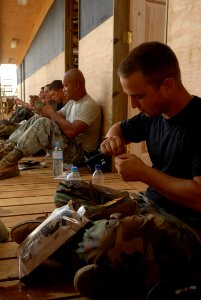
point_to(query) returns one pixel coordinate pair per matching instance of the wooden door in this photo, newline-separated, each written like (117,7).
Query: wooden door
(147,23)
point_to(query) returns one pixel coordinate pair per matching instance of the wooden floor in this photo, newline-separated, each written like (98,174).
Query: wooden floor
(26,197)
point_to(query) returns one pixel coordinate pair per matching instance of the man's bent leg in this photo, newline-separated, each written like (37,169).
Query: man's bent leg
(40,135)
(14,137)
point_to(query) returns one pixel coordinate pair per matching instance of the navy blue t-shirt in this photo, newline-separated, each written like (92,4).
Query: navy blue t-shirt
(174,145)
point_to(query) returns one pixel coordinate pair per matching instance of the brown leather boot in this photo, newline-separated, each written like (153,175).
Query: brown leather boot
(21,230)
(5,148)
(9,171)
(9,164)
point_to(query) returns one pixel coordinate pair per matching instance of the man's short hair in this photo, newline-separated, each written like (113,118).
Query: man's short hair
(47,86)
(155,60)
(56,85)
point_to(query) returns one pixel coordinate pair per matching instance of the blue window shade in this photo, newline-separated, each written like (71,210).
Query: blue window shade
(93,13)
(48,42)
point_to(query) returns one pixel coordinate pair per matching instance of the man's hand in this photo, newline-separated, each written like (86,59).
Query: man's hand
(46,110)
(18,101)
(130,167)
(113,146)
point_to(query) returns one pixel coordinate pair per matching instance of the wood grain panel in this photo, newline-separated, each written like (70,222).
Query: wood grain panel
(25,200)
(27,209)
(121,49)
(37,186)
(184,36)
(31,193)
(9,268)
(8,250)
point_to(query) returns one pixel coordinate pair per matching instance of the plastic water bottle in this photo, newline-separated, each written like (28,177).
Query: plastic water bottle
(98,175)
(74,174)
(57,157)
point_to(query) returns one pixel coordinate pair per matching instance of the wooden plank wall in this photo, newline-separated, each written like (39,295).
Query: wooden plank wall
(184,36)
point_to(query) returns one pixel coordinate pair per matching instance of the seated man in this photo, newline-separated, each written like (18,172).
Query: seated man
(52,93)
(24,111)
(168,122)
(41,93)
(56,90)
(167,239)
(77,125)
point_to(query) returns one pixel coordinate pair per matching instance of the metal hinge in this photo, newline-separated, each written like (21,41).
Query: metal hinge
(128,37)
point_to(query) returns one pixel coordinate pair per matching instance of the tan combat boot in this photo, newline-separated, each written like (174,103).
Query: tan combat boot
(9,164)
(22,229)
(5,148)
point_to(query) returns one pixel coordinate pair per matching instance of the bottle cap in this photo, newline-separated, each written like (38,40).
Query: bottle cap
(97,167)
(57,143)
(73,169)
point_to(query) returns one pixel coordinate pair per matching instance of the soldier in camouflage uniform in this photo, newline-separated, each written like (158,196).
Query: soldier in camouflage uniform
(77,125)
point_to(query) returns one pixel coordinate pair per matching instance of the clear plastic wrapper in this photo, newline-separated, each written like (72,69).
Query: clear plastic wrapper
(58,228)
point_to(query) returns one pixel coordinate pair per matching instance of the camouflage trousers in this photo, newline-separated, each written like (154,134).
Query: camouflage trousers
(39,133)
(144,248)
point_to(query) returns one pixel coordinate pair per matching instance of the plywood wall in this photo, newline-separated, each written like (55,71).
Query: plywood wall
(184,37)
(96,62)
(147,23)
(54,69)
(100,52)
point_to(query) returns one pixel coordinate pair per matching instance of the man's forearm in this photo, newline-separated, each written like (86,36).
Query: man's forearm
(186,192)
(115,130)
(64,125)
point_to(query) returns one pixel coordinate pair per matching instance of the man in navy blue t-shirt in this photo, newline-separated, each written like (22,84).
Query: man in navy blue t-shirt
(169,122)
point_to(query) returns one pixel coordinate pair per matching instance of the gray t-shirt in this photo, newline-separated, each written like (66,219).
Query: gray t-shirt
(87,111)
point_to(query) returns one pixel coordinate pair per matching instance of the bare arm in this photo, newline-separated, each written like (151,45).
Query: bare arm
(25,104)
(114,142)
(186,192)
(69,129)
